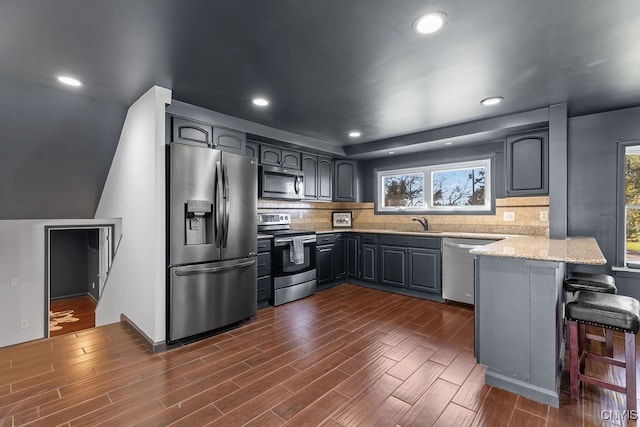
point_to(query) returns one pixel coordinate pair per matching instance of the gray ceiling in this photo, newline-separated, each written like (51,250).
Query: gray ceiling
(328,66)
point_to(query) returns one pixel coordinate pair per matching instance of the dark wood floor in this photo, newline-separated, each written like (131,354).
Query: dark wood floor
(346,356)
(84,309)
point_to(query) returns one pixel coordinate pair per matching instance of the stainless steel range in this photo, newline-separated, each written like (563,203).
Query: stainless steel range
(293,257)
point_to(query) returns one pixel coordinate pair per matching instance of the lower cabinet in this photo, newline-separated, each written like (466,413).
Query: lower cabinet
(264,271)
(401,262)
(325,263)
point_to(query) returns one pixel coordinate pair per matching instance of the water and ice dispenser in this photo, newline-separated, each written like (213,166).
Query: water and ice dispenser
(198,222)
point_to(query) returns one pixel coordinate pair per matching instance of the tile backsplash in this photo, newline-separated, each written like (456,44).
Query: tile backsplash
(317,216)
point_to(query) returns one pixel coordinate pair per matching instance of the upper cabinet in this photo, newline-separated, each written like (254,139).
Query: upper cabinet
(527,163)
(191,131)
(229,140)
(252,149)
(275,156)
(318,176)
(194,132)
(345,180)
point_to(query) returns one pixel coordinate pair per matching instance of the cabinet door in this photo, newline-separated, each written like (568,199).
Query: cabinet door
(424,270)
(310,169)
(527,164)
(325,178)
(341,256)
(345,181)
(270,155)
(393,261)
(291,159)
(325,263)
(353,258)
(369,262)
(191,132)
(229,140)
(252,149)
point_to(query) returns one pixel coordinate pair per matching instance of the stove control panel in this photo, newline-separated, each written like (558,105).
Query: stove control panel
(268,218)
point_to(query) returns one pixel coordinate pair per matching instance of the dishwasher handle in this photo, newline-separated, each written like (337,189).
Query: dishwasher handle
(461,246)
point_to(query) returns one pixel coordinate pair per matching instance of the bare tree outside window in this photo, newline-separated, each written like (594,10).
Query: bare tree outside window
(461,187)
(632,207)
(404,190)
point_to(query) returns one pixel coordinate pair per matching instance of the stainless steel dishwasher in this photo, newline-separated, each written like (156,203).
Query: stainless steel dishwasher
(457,268)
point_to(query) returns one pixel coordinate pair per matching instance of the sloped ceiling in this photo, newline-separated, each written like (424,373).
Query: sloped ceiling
(328,66)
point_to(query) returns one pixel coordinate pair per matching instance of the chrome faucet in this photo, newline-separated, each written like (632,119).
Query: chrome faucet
(423,222)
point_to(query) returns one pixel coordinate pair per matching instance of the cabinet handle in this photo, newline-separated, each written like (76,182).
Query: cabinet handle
(324,250)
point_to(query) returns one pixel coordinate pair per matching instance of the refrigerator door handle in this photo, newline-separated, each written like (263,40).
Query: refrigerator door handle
(215,269)
(219,205)
(227,204)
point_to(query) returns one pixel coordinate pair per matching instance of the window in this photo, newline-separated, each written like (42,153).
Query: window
(447,188)
(631,210)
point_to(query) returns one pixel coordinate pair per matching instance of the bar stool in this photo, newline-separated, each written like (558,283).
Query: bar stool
(579,281)
(612,312)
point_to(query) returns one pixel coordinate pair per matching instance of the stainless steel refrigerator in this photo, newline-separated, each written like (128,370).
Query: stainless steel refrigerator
(211,221)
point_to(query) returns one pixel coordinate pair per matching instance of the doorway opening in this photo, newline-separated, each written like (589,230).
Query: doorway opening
(77,263)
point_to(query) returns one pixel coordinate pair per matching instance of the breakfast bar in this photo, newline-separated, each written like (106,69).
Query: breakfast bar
(519,311)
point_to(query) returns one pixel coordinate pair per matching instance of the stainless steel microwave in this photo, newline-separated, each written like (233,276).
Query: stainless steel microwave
(280,183)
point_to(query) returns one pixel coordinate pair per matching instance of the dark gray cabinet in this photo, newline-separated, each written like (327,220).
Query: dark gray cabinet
(325,263)
(424,270)
(527,163)
(252,149)
(353,255)
(341,256)
(411,262)
(325,178)
(310,169)
(194,132)
(275,156)
(191,131)
(318,176)
(229,140)
(369,262)
(264,271)
(345,180)
(393,261)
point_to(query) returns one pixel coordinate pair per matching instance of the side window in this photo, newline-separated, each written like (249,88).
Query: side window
(629,208)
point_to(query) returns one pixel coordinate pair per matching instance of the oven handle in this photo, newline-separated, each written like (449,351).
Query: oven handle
(283,242)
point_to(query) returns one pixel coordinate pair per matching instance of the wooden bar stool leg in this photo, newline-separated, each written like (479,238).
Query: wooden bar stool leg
(582,345)
(573,359)
(608,333)
(630,368)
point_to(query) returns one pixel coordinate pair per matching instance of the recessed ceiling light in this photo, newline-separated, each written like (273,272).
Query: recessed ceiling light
(391,152)
(260,102)
(492,101)
(69,81)
(354,134)
(430,23)
(448,143)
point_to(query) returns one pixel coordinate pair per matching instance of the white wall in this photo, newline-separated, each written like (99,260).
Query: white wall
(135,191)
(22,256)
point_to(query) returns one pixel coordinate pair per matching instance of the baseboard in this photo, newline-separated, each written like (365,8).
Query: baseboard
(152,346)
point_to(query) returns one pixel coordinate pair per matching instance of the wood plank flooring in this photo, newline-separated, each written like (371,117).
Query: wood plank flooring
(84,309)
(347,356)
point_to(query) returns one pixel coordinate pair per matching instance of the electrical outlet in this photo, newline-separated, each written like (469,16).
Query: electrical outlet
(509,216)
(14,281)
(544,216)
(24,324)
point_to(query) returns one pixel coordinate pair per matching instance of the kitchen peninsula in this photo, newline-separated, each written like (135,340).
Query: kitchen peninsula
(519,334)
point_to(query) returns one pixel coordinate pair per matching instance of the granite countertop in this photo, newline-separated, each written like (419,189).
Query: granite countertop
(572,250)
(453,234)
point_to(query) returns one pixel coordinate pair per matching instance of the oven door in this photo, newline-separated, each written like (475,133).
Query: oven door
(282,265)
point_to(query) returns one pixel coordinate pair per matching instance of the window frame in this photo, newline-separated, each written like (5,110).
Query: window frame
(427,170)
(621,237)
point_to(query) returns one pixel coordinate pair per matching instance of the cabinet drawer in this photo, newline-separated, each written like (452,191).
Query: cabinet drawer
(264,245)
(264,288)
(412,242)
(264,264)
(323,239)
(369,238)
